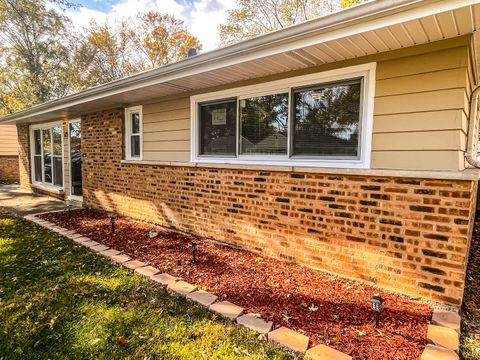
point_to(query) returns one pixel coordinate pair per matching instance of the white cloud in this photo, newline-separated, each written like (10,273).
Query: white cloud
(202,17)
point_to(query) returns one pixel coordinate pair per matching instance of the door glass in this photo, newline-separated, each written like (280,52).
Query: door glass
(76,158)
(47,155)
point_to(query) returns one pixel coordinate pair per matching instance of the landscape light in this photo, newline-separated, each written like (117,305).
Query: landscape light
(193,249)
(68,209)
(112,222)
(377,305)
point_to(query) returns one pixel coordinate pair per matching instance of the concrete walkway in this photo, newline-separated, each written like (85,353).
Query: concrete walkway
(24,202)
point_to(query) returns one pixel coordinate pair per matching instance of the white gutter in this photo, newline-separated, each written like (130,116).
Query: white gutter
(365,17)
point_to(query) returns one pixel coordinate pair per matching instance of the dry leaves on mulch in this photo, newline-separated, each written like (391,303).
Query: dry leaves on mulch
(327,309)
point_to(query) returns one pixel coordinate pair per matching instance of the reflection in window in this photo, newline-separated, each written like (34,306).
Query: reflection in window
(327,120)
(47,155)
(263,124)
(218,128)
(135,135)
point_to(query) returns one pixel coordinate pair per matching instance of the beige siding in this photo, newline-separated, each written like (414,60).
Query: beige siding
(166,131)
(421,108)
(8,140)
(420,112)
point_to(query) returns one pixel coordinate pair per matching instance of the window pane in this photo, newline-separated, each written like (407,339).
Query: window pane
(57,171)
(57,140)
(218,128)
(47,155)
(38,142)
(135,144)
(135,123)
(38,167)
(327,120)
(263,123)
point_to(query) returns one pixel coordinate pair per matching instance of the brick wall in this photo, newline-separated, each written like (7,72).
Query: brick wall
(9,168)
(24,156)
(405,234)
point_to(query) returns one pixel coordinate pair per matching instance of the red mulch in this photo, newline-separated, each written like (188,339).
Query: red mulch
(280,292)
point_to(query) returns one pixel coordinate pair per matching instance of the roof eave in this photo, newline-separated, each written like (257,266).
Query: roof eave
(376,10)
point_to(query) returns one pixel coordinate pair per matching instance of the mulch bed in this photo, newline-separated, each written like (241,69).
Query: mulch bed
(329,310)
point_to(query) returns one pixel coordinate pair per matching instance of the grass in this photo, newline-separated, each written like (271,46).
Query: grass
(470,348)
(59,300)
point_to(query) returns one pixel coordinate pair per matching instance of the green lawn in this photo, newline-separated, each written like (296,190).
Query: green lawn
(58,300)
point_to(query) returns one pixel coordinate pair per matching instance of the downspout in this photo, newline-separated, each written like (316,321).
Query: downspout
(471,155)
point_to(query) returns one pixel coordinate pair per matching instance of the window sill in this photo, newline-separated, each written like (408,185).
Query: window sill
(50,188)
(467,174)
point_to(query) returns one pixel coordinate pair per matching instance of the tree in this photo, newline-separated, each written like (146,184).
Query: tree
(162,39)
(35,61)
(347,3)
(144,42)
(255,17)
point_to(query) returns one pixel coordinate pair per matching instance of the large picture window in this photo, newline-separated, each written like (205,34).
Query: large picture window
(47,153)
(312,120)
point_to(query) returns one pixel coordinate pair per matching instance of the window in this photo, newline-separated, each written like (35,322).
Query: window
(326,120)
(47,153)
(313,120)
(218,128)
(263,125)
(133,133)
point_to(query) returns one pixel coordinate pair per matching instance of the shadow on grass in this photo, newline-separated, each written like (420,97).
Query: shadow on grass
(59,300)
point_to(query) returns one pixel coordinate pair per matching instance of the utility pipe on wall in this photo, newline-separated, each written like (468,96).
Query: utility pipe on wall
(471,155)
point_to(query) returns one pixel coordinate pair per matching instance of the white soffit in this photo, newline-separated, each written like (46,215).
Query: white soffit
(368,29)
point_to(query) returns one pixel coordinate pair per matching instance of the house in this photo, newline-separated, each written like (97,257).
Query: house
(8,154)
(376,180)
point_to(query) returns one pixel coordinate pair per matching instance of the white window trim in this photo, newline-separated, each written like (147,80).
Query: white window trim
(41,184)
(128,132)
(367,71)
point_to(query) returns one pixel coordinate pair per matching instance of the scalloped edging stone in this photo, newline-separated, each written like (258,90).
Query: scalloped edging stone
(227,309)
(442,336)
(110,252)
(448,319)
(164,279)
(147,271)
(134,264)
(181,288)
(290,339)
(202,297)
(99,248)
(255,322)
(324,352)
(120,258)
(433,352)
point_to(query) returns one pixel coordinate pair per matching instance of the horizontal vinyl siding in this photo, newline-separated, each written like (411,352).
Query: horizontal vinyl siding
(420,115)
(8,140)
(166,131)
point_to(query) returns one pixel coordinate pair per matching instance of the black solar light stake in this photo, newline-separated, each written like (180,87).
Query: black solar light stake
(377,305)
(193,249)
(112,222)
(68,209)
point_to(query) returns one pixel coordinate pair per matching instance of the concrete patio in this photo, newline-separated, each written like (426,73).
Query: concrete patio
(23,202)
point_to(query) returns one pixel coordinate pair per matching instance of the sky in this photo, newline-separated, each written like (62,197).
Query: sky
(200,16)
